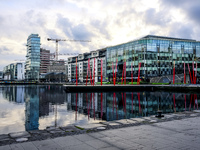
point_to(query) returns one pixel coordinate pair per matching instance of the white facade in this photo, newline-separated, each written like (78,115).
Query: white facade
(20,68)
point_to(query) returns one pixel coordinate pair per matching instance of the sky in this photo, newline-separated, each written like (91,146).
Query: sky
(104,23)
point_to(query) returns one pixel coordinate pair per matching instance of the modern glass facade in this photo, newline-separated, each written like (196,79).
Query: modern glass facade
(33,57)
(156,54)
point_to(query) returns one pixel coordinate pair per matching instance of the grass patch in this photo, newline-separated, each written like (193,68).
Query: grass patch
(79,128)
(88,131)
(160,83)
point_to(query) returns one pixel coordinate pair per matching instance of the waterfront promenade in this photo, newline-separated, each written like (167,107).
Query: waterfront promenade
(176,134)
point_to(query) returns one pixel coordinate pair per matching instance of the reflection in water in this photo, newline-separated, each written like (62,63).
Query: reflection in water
(51,106)
(32,108)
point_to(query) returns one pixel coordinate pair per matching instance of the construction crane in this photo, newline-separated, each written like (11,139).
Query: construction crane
(57,40)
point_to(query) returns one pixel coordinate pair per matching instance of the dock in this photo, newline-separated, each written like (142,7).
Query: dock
(127,88)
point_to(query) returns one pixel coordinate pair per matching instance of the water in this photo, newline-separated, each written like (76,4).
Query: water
(33,107)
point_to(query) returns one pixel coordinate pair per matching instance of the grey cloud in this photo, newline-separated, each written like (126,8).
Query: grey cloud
(77,32)
(190,8)
(156,18)
(182,31)
(4,49)
(81,32)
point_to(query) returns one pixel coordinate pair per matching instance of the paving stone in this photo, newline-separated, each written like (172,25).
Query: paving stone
(69,128)
(138,119)
(193,115)
(24,134)
(90,126)
(6,147)
(84,137)
(56,131)
(97,135)
(113,123)
(16,147)
(123,121)
(46,145)
(21,139)
(153,121)
(196,111)
(97,144)
(28,146)
(4,137)
(67,141)
(101,128)
(78,147)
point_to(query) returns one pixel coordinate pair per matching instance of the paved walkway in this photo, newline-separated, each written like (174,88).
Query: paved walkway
(172,135)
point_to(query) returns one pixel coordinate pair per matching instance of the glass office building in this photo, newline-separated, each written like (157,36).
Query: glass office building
(157,56)
(33,57)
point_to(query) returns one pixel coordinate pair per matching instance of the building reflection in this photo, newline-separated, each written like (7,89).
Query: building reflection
(31,108)
(44,101)
(130,104)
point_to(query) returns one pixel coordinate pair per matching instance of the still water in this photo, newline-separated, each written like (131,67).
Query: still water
(32,107)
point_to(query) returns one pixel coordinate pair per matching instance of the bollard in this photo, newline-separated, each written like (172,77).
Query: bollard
(159,112)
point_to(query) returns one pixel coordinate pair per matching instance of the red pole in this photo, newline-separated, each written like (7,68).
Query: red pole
(101,70)
(115,70)
(184,74)
(125,74)
(190,74)
(196,74)
(125,101)
(113,73)
(122,74)
(76,73)
(174,73)
(138,80)
(94,72)
(193,72)
(131,73)
(90,72)
(87,72)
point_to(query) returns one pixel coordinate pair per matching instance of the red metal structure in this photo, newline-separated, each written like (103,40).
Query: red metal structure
(138,80)
(125,73)
(101,71)
(94,72)
(131,73)
(122,74)
(76,73)
(190,74)
(174,73)
(115,71)
(184,74)
(87,72)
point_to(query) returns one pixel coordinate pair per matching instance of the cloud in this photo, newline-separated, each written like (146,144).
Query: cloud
(156,18)
(181,31)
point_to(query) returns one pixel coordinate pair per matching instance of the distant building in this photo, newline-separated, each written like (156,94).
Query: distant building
(82,66)
(1,75)
(14,71)
(32,68)
(19,73)
(44,60)
(8,72)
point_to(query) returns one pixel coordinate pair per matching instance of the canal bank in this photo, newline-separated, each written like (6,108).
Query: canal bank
(174,131)
(142,87)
